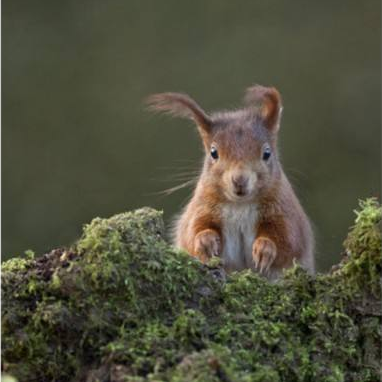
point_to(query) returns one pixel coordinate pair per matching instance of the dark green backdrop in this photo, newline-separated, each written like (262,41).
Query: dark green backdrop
(77,142)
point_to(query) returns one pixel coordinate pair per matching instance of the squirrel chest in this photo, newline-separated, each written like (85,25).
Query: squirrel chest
(238,233)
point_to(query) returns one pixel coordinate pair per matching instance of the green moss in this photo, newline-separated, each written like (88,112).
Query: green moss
(123,305)
(16,264)
(8,378)
(363,245)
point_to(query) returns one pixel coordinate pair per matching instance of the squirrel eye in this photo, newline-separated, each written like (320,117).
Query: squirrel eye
(214,153)
(266,153)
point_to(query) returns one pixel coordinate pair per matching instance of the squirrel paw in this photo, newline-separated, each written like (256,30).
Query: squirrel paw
(207,244)
(264,252)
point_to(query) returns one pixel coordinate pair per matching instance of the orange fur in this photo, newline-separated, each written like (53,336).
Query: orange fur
(243,208)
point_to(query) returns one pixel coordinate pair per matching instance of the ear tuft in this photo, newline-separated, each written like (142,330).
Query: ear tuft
(180,105)
(269,102)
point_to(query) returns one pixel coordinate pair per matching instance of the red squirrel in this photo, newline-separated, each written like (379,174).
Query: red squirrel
(243,208)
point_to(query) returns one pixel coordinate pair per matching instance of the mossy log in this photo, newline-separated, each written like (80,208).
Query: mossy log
(123,305)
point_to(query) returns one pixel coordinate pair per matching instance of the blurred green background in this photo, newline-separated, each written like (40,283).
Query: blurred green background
(76,139)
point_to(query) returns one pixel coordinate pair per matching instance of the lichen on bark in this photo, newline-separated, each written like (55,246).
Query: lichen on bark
(123,305)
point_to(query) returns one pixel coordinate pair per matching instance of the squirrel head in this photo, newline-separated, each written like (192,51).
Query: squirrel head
(241,145)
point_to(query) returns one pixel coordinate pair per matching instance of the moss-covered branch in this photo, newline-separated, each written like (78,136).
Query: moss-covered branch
(123,305)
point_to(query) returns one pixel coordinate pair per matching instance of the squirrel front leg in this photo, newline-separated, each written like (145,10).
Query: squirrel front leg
(271,248)
(207,243)
(264,252)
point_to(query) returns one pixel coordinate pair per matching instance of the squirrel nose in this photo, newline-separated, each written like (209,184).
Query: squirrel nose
(240,183)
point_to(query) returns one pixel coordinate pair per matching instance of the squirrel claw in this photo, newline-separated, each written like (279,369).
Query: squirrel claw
(207,245)
(264,252)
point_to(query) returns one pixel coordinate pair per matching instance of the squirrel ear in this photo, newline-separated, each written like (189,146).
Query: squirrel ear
(180,105)
(269,102)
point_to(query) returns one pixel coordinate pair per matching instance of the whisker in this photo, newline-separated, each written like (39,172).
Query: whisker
(296,172)
(188,176)
(179,168)
(171,190)
(177,177)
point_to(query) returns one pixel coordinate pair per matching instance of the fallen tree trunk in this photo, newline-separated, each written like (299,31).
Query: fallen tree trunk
(123,305)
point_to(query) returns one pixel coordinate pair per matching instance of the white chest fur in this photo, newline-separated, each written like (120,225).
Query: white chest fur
(239,233)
